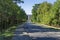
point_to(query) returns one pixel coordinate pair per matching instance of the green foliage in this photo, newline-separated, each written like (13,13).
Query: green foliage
(34,15)
(56,10)
(43,11)
(47,13)
(10,14)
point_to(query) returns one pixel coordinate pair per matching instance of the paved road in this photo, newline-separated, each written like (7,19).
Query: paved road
(28,31)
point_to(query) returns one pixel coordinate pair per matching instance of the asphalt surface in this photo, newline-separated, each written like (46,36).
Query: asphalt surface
(29,31)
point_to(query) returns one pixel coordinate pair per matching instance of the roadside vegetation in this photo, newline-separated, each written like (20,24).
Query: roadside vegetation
(47,13)
(11,15)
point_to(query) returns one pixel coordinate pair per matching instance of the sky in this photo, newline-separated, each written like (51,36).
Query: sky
(28,5)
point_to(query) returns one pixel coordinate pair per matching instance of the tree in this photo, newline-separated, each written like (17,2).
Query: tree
(56,16)
(47,13)
(9,12)
(34,12)
(43,12)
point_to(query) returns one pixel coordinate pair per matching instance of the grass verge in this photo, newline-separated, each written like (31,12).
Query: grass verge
(47,26)
(8,34)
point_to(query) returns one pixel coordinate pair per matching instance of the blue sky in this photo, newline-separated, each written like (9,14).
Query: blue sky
(27,5)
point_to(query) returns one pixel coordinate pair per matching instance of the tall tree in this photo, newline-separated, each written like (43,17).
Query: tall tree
(43,12)
(56,14)
(34,12)
(47,13)
(8,14)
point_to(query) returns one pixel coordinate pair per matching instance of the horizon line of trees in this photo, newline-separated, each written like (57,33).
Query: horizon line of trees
(47,13)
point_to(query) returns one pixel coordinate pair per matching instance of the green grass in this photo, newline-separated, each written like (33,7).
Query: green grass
(47,26)
(8,34)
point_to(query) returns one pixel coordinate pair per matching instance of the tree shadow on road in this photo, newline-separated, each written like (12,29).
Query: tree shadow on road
(45,38)
(34,28)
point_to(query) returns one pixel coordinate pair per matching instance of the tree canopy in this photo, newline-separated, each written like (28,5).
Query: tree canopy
(47,13)
(10,14)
